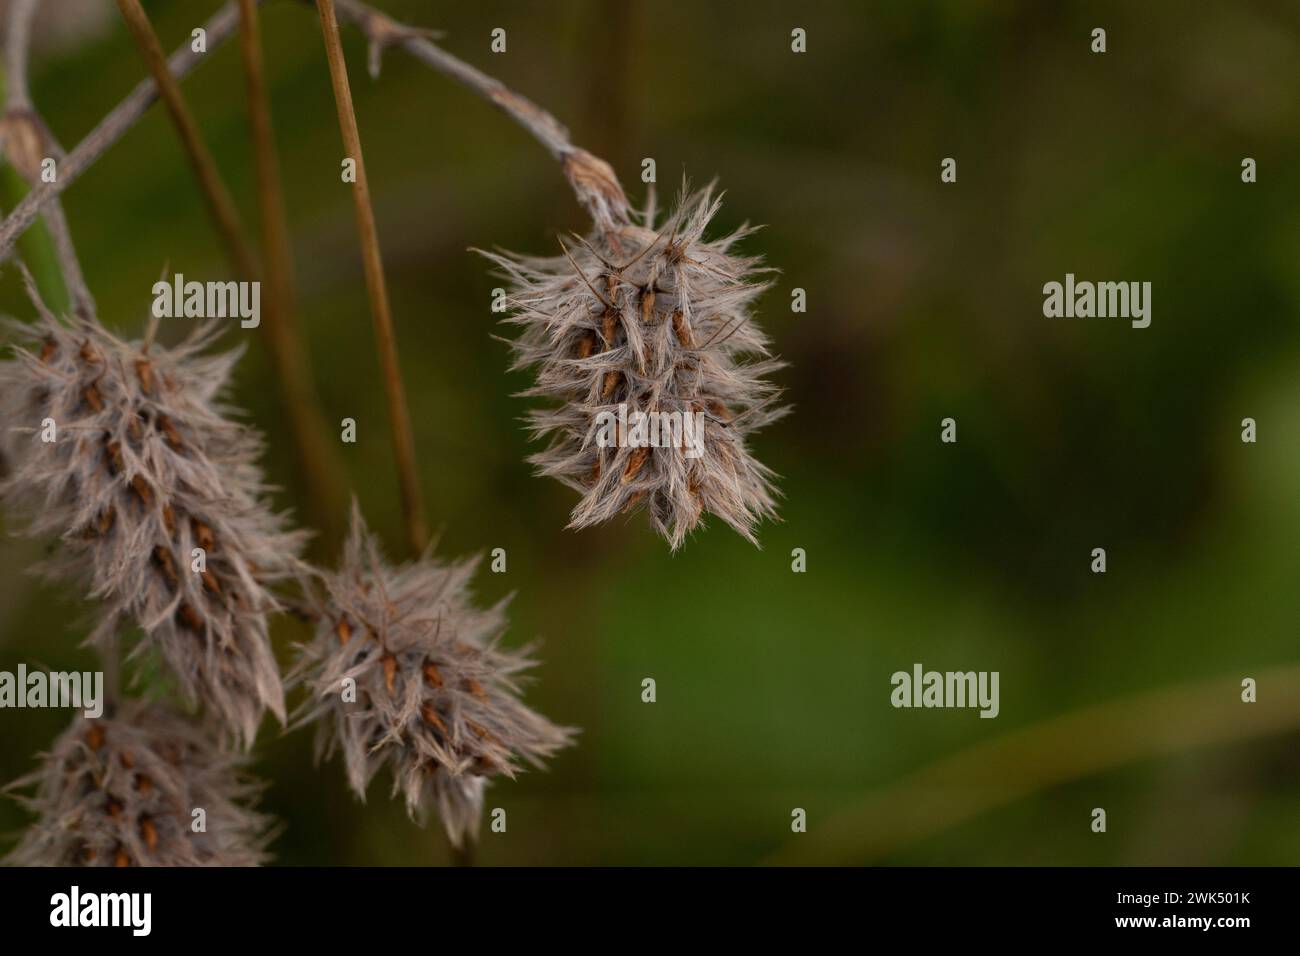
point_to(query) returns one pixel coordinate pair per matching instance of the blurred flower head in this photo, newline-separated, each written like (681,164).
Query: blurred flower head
(125,790)
(405,671)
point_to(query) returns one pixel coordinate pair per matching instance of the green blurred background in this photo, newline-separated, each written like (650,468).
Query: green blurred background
(924,302)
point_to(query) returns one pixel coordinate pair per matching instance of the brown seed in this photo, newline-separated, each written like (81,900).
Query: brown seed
(95,738)
(432,676)
(106,519)
(113,808)
(210,582)
(121,858)
(88,854)
(586,345)
(647,305)
(390,670)
(189,618)
(719,410)
(203,534)
(143,784)
(163,556)
(169,520)
(483,732)
(114,452)
(127,762)
(483,767)
(344,630)
(170,432)
(144,369)
(607,328)
(48,348)
(135,429)
(595,470)
(88,353)
(472,686)
(431,717)
(142,489)
(92,397)
(633,501)
(634,463)
(149,832)
(682,329)
(610,383)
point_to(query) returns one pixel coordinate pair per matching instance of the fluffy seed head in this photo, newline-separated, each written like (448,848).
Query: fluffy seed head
(636,321)
(122,791)
(158,500)
(405,670)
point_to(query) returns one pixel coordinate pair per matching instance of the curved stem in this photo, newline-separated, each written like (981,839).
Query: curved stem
(593,180)
(1058,750)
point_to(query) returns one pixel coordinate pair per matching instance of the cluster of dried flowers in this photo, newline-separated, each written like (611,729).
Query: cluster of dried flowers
(129,456)
(123,790)
(429,691)
(127,452)
(659,321)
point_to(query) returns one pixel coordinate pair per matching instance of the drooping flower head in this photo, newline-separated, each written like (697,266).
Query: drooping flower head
(406,672)
(645,341)
(123,790)
(126,452)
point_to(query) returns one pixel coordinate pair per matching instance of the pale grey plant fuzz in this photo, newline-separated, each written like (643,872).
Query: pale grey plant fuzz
(659,320)
(437,699)
(122,790)
(147,467)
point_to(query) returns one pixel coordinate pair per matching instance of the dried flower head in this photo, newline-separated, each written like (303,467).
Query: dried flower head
(653,328)
(123,791)
(405,670)
(158,501)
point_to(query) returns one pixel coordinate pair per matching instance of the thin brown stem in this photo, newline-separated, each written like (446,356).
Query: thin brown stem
(220,204)
(112,128)
(593,180)
(317,463)
(399,417)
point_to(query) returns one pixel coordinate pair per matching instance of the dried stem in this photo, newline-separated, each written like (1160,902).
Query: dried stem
(316,460)
(27,141)
(593,180)
(220,204)
(399,417)
(112,128)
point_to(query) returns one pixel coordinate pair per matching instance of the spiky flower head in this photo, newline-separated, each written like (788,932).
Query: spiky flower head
(405,671)
(122,790)
(652,327)
(126,452)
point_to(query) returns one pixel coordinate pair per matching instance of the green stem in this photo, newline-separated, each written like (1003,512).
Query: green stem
(36,245)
